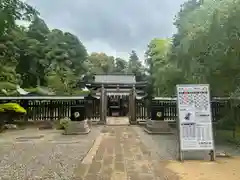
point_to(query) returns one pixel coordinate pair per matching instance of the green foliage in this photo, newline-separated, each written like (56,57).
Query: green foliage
(12,10)
(1,109)
(99,63)
(62,124)
(208,50)
(40,91)
(226,137)
(7,88)
(81,93)
(121,66)
(164,74)
(205,49)
(12,107)
(10,33)
(135,66)
(36,56)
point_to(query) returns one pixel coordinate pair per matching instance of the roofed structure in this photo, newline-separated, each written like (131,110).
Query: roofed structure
(116,85)
(109,79)
(119,89)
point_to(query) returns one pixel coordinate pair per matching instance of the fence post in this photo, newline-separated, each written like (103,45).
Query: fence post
(51,110)
(233,115)
(102,106)
(24,104)
(133,106)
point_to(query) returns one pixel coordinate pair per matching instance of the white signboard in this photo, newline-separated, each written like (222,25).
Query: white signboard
(195,119)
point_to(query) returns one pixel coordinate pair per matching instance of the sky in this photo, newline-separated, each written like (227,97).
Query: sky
(115,27)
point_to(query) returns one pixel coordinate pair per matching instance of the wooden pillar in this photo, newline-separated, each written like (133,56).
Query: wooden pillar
(102,106)
(130,106)
(105,106)
(51,110)
(25,105)
(133,106)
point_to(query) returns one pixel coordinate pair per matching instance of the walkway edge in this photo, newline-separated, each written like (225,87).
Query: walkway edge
(93,150)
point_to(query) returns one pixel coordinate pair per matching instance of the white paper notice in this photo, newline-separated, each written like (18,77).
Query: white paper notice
(195,119)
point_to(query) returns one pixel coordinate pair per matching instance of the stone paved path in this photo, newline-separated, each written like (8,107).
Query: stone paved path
(119,154)
(117,121)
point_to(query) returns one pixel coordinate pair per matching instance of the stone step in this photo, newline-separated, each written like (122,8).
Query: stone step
(158,127)
(77,127)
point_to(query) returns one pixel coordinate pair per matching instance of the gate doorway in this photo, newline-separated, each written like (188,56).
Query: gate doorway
(117,106)
(117,94)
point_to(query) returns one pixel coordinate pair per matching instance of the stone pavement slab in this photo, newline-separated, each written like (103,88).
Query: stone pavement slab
(117,121)
(119,154)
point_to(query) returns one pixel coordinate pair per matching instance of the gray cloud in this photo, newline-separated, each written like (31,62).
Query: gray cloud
(119,25)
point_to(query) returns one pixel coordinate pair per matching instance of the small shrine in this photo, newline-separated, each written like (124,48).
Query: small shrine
(119,90)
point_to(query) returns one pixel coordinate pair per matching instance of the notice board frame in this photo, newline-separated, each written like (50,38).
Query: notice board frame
(212,153)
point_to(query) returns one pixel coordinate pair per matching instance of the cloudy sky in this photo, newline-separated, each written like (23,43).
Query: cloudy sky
(112,26)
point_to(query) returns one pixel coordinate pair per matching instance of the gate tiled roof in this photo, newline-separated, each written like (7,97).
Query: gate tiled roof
(121,79)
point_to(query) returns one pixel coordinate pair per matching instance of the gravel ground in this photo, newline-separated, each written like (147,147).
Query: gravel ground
(53,157)
(166,147)
(163,146)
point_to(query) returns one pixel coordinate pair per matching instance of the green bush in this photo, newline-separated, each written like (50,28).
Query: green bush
(42,91)
(12,107)
(7,88)
(63,123)
(1,110)
(10,112)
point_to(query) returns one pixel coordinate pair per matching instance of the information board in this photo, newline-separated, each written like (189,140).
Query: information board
(195,118)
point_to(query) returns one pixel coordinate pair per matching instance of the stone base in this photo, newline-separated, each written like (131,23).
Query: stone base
(94,121)
(77,127)
(158,127)
(141,122)
(101,123)
(133,122)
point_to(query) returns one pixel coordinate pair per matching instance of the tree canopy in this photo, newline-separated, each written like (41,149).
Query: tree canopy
(205,49)
(36,56)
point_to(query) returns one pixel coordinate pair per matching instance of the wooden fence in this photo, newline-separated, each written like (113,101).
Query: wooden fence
(53,107)
(93,109)
(168,107)
(46,107)
(141,110)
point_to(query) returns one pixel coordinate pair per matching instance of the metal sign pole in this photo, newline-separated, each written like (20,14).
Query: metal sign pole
(212,152)
(180,153)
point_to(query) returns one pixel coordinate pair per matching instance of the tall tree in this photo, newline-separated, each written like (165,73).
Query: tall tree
(205,48)
(100,63)
(120,65)
(163,73)
(66,56)
(32,61)
(12,10)
(135,66)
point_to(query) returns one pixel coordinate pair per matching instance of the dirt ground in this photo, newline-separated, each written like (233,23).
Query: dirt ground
(222,169)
